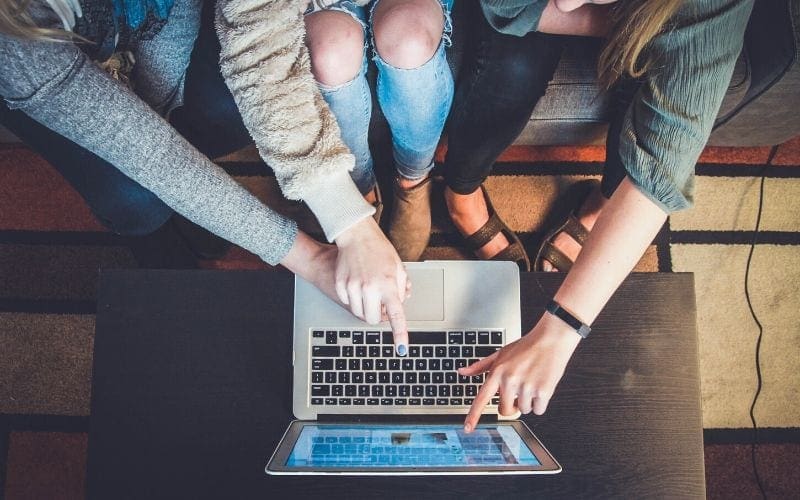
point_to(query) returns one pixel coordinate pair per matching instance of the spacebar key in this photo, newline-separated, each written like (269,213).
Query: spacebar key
(427,337)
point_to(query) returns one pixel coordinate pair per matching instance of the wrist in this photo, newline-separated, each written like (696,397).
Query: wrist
(358,232)
(557,333)
(302,255)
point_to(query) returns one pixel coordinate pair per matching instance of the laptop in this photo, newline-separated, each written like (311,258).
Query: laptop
(363,410)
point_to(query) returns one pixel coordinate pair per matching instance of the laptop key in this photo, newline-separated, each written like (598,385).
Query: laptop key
(387,351)
(495,401)
(430,390)
(470,337)
(414,401)
(417,390)
(344,401)
(358,401)
(331,401)
(316,377)
(427,351)
(424,378)
(456,402)
(441,351)
(421,364)
(318,334)
(397,378)
(341,364)
(387,337)
(363,390)
(471,390)
(371,377)
(387,402)
(407,364)
(483,351)
(455,338)
(373,337)
(381,364)
(358,378)
(322,364)
(427,338)
(497,338)
(469,401)
(434,364)
(444,391)
(368,364)
(337,390)
(377,390)
(454,352)
(374,351)
(344,334)
(400,401)
(394,364)
(411,378)
(331,337)
(442,401)
(361,351)
(458,390)
(350,390)
(467,351)
(438,378)
(330,377)
(325,351)
(372,401)
(316,401)
(391,391)
(451,377)
(413,351)
(354,364)
(348,351)
(428,401)
(404,391)
(448,364)
(383,378)
(358,337)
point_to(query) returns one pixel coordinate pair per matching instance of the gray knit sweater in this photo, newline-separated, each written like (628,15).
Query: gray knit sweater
(266,65)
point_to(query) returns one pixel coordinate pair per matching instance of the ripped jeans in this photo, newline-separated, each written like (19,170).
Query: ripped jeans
(415,102)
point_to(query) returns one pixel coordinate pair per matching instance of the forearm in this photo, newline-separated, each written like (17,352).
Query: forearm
(588,20)
(619,238)
(266,65)
(102,116)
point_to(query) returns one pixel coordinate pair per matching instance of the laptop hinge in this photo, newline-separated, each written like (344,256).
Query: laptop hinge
(444,419)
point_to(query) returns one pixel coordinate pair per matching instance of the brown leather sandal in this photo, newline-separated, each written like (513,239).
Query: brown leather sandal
(514,252)
(570,225)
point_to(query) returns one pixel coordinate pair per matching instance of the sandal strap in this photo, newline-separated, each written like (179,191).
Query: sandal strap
(514,253)
(485,234)
(575,229)
(556,257)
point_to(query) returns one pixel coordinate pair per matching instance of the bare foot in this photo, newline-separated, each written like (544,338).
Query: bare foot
(469,213)
(371,197)
(587,215)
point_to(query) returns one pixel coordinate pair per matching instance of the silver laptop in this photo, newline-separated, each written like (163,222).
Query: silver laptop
(362,409)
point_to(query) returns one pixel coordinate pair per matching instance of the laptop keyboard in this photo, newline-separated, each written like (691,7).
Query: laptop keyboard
(361,368)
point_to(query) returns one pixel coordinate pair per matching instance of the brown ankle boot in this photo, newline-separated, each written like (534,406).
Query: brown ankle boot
(410,223)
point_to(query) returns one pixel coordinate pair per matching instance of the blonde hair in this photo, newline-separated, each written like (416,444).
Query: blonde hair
(16,21)
(634,24)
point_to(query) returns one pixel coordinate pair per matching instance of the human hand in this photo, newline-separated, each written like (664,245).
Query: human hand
(524,372)
(371,279)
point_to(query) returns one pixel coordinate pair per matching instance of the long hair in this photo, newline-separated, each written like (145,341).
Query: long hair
(634,24)
(16,21)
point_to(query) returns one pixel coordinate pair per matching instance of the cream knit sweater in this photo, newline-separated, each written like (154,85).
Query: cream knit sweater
(266,65)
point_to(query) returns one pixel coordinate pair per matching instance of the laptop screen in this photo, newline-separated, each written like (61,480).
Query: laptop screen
(364,446)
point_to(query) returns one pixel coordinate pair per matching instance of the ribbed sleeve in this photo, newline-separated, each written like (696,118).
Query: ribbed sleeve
(668,123)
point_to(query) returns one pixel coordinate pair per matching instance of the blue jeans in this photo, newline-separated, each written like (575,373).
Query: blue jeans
(209,119)
(415,103)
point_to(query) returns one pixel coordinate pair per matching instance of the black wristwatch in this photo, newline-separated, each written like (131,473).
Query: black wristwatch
(579,326)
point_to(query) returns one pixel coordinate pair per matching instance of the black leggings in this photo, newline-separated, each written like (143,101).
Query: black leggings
(504,77)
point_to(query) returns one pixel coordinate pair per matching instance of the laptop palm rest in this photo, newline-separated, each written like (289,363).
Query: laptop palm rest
(427,295)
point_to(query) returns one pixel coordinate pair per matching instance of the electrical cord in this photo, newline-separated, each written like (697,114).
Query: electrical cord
(759,378)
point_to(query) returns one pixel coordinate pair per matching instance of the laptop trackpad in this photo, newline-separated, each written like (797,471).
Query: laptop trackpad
(427,295)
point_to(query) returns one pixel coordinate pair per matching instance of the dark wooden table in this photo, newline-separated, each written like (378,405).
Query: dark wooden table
(191,393)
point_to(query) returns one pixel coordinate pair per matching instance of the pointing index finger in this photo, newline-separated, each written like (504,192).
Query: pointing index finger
(397,320)
(481,400)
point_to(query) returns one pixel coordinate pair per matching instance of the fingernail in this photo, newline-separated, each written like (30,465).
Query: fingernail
(402,349)
(467,427)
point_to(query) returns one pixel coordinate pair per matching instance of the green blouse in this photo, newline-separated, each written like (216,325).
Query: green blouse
(668,123)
